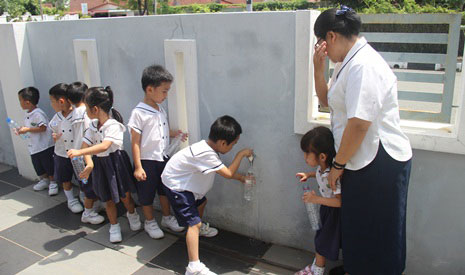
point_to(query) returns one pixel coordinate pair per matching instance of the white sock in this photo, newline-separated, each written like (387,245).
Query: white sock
(166,217)
(69,194)
(318,270)
(150,221)
(53,182)
(194,264)
(114,226)
(87,211)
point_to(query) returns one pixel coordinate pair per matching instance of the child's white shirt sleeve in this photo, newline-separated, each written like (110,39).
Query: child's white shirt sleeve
(114,133)
(135,122)
(38,119)
(88,136)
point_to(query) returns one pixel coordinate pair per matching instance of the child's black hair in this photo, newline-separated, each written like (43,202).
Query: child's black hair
(225,128)
(76,91)
(346,22)
(30,94)
(155,75)
(319,140)
(102,98)
(59,91)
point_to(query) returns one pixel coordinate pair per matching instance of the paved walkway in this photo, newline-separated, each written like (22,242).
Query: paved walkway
(39,235)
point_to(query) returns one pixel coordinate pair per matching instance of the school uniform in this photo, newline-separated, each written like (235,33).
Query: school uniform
(152,125)
(112,175)
(375,182)
(328,237)
(187,177)
(62,164)
(40,145)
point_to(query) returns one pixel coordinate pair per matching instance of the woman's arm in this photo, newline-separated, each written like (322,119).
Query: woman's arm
(321,87)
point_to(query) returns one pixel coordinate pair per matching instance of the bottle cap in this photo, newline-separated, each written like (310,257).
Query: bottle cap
(8,120)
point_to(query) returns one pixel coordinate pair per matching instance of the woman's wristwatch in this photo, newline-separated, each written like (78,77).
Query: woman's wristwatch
(338,166)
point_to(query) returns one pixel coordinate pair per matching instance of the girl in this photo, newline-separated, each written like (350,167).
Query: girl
(111,168)
(318,146)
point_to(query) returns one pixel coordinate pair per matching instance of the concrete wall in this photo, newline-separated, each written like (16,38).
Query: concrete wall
(7,153)
(246,69)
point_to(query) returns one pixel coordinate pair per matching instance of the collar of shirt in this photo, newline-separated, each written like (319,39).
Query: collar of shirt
(108,123)
(78,114)
(359,44)
(201,147)
(324,173)
(149,109)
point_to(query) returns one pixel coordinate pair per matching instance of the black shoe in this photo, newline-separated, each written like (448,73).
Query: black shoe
(338,270)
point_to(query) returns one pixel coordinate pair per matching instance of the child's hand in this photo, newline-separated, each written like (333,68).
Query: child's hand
(56,136)
(302,176)
(139,174)
(247,152)
(74,153)
(22,130)
(86,172)
(310,197)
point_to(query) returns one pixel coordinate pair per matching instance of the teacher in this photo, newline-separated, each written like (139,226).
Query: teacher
(373,156)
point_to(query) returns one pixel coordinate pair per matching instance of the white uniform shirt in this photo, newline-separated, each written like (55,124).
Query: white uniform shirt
(153,127)
(192,169)
(81,123)
(111,130)
(64,126)
(38,142)
(363,86)
(323,185)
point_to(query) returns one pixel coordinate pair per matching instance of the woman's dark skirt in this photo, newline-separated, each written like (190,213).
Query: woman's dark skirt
(112,176)
(374,205)
(328,238)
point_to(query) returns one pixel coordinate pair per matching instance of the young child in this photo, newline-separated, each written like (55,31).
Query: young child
(61,125)
(150,135)
(111,168)
(318,146)
(40,142)
(80,124)
(188,176)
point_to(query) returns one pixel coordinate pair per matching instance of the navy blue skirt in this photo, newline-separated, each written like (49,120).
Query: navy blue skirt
(374,205)
(328,238)
(112,176)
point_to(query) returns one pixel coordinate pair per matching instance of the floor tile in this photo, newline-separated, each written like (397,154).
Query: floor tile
(145,248)
(12,176)
(237,243)
(6,188)
(62,217)
(39,237)
(290,257)
(150,269)
(14,258)
(4,168)
(175,258)
(85,257)
(102,236)
(262,268)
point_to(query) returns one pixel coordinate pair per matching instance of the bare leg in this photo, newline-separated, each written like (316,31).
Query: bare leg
(67,185)
(110,207)
(88,203)
(148,212)
(165,205)
(128,203)
(320,260)
(201,208)
(192,240)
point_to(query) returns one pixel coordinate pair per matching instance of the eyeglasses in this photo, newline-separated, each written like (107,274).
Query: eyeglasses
(318,43)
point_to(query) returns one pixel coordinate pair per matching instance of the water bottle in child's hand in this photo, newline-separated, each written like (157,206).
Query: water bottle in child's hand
(14,126)
(312,211)
(79,166)
(249,184)
(174,145)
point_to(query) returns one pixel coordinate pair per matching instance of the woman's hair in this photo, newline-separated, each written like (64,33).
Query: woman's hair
(344,21)
(319,140)
(102,98)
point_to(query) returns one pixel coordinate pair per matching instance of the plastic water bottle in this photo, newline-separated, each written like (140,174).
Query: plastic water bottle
(250,181)
(79,166)
(174,145)
(13,125)
(312,212)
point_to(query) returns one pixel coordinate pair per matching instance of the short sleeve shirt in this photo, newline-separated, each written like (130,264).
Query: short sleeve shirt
(363,86)
(323,185)
(192,169)
(153,127)
(80,124)
(38,142)
(64,126)
(111,130)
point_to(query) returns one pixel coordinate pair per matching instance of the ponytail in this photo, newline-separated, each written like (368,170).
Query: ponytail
(103,98)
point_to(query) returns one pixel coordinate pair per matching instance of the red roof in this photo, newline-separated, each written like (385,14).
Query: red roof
(75,5)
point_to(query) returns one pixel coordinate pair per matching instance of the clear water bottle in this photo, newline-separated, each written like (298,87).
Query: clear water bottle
(174,145)
(250,181)
(313,212)
(13,125)
(79,165)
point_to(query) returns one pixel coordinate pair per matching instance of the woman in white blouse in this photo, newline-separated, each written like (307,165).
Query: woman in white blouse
(373,156)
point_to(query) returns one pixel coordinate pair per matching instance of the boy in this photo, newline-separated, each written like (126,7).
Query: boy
(61,125)
(40,142)
(150,135)
(80,123)
(188,176)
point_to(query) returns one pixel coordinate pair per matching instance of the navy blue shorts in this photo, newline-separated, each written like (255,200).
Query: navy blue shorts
(43,162)
(185,206)
(63,169)
(147,189)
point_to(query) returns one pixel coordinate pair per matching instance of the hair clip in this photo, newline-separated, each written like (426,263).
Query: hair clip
(344,9)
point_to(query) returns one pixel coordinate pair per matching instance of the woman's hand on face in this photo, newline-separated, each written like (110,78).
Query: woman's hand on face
(319,57)
(334,175)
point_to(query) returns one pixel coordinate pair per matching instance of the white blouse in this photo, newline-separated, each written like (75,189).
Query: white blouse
(363,86)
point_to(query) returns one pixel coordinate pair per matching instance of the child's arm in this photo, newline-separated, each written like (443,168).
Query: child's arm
(304,176)
(313,198)
(139,172)
(89,164)
(92,150)
(40,129)
(230,172)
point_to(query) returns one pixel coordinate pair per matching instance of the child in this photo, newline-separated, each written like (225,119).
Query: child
(40,142)
(61,125)
(188,176)
(149,136)
(111,168)
(80,124)
(318,146)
